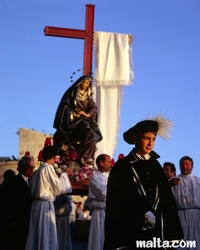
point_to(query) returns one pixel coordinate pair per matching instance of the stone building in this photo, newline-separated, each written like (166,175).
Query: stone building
(32,141)
(29,140)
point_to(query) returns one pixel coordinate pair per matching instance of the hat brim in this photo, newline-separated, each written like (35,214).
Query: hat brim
(139,129)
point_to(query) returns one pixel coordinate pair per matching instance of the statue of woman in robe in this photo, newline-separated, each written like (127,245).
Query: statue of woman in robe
(76,121)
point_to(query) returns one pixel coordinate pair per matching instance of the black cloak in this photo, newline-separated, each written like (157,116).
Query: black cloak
(80,130)
(126,205)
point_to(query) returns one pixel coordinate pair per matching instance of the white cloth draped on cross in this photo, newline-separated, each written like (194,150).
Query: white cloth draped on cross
(113,71)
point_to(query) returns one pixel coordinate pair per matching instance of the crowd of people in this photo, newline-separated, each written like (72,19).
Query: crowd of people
(37,210)
(136,199)
(29,201)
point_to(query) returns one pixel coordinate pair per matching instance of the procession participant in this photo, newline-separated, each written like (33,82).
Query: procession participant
(17,202)
(45,186)
(170,172)
(96,201)
(76,121)
(63,207)
(187,196)
(140,204)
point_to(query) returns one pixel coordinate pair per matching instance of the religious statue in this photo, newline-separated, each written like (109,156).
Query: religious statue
(76,121)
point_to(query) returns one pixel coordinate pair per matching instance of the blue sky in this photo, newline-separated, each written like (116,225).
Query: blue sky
(35,70)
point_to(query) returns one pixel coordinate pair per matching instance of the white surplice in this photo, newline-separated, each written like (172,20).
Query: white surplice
(97,193)
(45,186)
(187,196)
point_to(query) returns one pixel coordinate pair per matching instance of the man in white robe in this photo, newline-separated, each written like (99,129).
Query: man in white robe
(45,186)
(187,196)
(96,202)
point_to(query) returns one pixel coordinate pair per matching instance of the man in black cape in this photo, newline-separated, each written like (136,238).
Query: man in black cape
(140,204)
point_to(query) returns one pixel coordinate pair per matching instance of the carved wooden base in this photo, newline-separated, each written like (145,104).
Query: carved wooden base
(80,187)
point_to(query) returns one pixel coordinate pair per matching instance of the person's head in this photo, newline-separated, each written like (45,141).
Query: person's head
(144,133)
(85,84)
(169,170)
(26,166)
(104,163)
(186,165)
(8,174)
(48,154)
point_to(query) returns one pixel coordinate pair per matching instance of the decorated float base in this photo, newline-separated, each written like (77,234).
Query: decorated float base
(66,161)
(79,176)
(80,187)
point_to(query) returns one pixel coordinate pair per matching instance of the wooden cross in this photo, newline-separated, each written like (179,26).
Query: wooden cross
(86,34)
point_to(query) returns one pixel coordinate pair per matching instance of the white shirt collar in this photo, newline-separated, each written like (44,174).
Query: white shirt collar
(26,179)
(147,156)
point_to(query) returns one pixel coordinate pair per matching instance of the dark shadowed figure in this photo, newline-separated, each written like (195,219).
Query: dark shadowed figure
(19,203)
(4,215)
(76,120)
(139,203)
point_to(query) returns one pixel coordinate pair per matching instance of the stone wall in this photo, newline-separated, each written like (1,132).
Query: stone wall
(32,141)
(29,140)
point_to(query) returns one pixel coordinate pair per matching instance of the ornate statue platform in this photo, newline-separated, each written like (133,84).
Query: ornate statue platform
(80,187)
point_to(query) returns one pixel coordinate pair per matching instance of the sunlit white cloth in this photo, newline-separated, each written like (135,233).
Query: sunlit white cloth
(113,71)
(113,59)
(187,196)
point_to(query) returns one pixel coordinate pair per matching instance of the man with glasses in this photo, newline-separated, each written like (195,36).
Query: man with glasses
(19,203)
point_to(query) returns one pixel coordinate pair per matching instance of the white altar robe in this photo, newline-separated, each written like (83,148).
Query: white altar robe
(45,186)
(187,196)
(97,191)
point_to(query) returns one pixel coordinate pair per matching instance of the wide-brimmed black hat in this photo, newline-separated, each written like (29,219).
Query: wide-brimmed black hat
(139,129)
(159,124)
